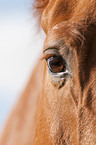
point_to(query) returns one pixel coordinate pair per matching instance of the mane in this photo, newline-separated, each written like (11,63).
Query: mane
(80,13)
(85,10)
(40,5)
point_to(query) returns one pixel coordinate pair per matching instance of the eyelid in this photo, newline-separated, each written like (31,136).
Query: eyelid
(61,74)
(50,53)
(46,56)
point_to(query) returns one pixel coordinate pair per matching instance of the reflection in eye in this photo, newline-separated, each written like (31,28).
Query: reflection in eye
(56,64)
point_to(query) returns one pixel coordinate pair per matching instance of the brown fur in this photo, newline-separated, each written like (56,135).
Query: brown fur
(67,112)
(67,109)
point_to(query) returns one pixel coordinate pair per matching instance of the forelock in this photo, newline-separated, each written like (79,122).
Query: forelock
(40,5)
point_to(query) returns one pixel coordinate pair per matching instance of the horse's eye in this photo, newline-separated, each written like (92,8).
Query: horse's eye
(56,64)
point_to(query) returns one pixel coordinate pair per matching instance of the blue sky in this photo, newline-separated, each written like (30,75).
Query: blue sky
(14,5)
(13,13)
(17,54)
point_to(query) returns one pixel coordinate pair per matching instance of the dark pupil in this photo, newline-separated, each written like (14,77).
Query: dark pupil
(56,64)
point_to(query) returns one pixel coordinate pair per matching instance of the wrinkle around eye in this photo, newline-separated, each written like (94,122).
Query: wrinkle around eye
(51,48)
(59,77)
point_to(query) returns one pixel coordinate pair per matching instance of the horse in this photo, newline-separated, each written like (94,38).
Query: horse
(58,107)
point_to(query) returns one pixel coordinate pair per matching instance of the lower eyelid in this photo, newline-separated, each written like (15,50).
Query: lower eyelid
(60,75)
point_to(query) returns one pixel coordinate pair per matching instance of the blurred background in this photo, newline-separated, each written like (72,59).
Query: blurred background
(20,47)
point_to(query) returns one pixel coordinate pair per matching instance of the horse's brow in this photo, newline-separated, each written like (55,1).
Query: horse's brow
(55,45)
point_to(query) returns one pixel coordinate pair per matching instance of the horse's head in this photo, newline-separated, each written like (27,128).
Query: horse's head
(67,106)
(67,110)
